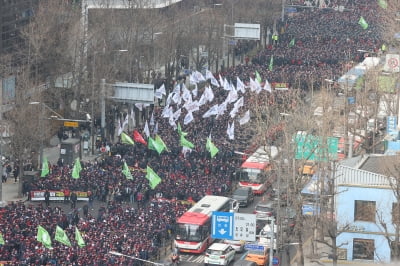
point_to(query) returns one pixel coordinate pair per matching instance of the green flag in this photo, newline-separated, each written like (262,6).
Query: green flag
(43,237)
(211,148)
(79,239)
(271,63)
(180,132)
(363,23)
(153,178)
(382,3)
(125,139)
(159,140)
(2,240)
(185,143)
(77,169)
(292,43)
(127,172)
(45,168)
(155,145)
(61,236)
(258,77)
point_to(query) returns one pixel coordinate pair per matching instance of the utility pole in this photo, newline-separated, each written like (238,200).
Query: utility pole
(103,107)
(271,247)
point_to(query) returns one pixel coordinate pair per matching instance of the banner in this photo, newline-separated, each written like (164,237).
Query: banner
(280,86)
(56,195)
(392,63)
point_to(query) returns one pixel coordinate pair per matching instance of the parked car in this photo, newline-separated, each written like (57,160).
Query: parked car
(238,245)
(244,195)
(219,254)
(264,210)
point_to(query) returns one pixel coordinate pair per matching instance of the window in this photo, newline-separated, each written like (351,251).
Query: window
(364,211)
(363,249)
(395,213)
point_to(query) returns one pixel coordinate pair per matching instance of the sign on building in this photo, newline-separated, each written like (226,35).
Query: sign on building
(391,126)
(133,92)
(392,63)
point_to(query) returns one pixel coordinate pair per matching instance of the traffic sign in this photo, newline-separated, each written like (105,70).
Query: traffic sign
(244,227)
(254,247)
(275,261)
(71,124)
(222,225)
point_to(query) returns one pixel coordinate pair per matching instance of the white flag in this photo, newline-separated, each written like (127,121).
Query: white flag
(240,85)
(221,81)
(203,99)
(186,150)
(199,76)
(126,122)
(186,95)
(231,131)
(169,99)
(239,103)
(232,96)
(177,89)
(167,111)
(209,94)
(139,106)
(146,129)
(191,106)
(211,77)
(212,111)
(255,85)
(267,86)
(152,119)
(120,129)
(195,91)
(177,98)
(160,92)
(133,117)
(227,86)
(155,130)
(222,108)
(188,118)
(177,114)
(245,118)
(172,122)
(193,79)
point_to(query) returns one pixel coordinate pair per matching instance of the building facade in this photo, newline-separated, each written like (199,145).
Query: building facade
(364,205)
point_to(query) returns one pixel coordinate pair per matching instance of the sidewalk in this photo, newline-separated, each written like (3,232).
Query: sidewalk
(10,189)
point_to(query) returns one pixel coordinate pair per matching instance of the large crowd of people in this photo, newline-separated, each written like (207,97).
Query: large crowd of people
(324,41)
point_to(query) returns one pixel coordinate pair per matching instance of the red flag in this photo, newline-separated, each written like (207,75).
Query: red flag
(138,138)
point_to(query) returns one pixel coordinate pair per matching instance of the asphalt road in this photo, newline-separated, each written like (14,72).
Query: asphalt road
(287,253)
(193,259)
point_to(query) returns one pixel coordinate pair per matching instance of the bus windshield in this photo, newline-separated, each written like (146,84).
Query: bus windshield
(191,232)
(252,175)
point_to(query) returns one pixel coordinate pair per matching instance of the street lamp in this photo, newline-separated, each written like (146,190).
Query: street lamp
(41,126)
(134,258)
(102,97)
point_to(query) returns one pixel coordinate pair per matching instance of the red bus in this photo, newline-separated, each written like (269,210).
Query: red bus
(193,229)
(254,171)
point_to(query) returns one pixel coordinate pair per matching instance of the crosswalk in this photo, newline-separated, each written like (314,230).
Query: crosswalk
(192,258)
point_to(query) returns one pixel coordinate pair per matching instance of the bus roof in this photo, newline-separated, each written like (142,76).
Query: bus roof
(261,157)
(202,210)
(193,218)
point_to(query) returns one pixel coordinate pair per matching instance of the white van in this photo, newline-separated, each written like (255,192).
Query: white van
(266,235)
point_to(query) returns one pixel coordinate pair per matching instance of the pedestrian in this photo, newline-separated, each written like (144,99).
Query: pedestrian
(85,209)
(67,193)
(47,198)
(90,198)
(73,198)
(16,172)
